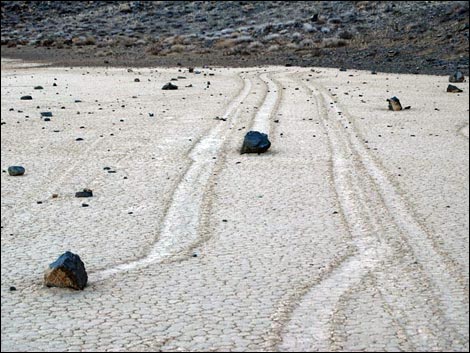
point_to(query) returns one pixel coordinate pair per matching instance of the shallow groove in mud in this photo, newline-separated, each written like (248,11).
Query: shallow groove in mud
(309,327)
(180,225)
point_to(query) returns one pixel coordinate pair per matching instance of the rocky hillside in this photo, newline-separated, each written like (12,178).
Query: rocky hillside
(400,36)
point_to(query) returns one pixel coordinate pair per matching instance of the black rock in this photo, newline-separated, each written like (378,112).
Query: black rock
(48,114)
(84,193)
(12,288)
(26,98)
(47,119)
(169,86)
(54,84)
(394,104)
(136,80)
(453,89)
(342,69)
(255,142)
(67,271)
(457,77)
(16,170)
(38,87)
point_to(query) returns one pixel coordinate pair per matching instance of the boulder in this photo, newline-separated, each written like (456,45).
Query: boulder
(394,104)
(169,86)
(26,98)
(457,77)
(453,89)
(16,170)
(84,193)
(255,142)
(68,271)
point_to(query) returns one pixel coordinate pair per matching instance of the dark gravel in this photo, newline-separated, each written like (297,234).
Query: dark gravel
(391,36)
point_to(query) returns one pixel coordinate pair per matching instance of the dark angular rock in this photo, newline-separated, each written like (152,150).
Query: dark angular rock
(453,89)
(169,86)
(68,271)
(136,80)
(457,77)
(48,114)
(16,170)
(255,142)
(26,98)
(84,193)
(38,87)
(394,104)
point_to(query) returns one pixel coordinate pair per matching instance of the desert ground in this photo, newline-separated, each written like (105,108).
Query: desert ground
(350,233)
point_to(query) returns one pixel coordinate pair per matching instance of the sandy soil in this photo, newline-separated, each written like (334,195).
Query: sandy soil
(350,233)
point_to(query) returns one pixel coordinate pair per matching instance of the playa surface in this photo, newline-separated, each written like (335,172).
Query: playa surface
(350,233)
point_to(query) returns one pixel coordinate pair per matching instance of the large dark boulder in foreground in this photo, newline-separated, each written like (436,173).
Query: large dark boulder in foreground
(169,86)
(394,104)
(16,170)
(457,77)
(255,142)
(68,271)
(453,89)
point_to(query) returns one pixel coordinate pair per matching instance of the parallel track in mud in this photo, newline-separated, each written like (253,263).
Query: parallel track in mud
(180,229)
(375,213)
